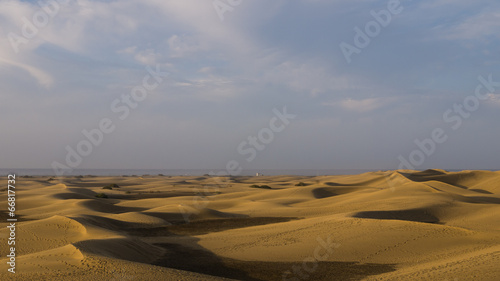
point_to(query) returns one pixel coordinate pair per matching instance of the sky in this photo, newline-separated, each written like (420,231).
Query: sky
(249,84)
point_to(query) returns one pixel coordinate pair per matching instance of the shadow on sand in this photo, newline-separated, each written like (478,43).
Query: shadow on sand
(188,255)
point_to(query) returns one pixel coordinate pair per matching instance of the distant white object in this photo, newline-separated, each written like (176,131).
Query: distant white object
(258,174)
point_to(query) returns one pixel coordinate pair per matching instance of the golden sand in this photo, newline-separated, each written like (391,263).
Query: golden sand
(395,225)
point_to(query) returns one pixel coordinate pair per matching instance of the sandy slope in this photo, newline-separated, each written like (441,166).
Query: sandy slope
(394,225)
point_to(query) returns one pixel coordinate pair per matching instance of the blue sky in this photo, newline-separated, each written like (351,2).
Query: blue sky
(225,77)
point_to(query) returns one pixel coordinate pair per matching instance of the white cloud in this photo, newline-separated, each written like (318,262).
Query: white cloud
(362,105)
(206,69)
(210,88)
(200,18)
(310,77)
(493,99)
(41,76)
(147,57)
(477,27)
(129,50)
(182,46)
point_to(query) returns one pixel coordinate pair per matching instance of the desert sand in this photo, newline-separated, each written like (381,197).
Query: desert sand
(387,225)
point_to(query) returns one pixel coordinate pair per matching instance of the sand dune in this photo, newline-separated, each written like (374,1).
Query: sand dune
(392,225)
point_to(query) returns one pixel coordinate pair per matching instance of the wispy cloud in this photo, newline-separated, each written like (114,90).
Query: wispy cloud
(361,105)
(41,76)
(478,27)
